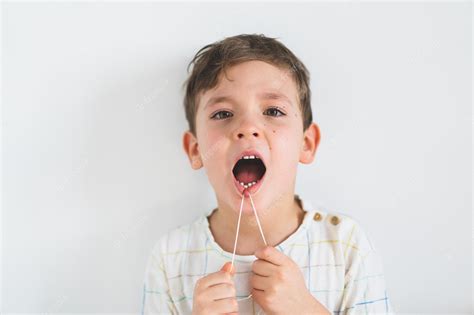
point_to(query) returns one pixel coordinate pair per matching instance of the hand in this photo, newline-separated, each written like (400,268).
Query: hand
(278,285)
(215,293)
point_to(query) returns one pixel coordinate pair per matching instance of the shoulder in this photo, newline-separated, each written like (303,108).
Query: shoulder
(179,238)
(340,227)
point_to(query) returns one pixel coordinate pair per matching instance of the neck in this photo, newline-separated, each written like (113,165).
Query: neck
(282,220)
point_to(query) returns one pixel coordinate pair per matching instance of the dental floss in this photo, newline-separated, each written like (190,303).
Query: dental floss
(258,221)
(237,232)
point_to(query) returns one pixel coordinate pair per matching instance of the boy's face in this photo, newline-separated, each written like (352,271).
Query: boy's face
(260,116)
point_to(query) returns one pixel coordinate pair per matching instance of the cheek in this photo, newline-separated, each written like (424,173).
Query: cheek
(285,145)
(214,153)
(208,139)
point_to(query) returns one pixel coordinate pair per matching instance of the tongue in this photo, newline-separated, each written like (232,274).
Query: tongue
(247,174)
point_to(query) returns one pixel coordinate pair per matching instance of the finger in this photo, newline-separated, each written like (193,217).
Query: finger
(263,268)
(225,306)
(220,291)
(259,282)
(271,254)
(229,268)
(215,278)
(258,295)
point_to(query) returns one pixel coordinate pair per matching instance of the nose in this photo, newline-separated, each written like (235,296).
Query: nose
(240,135)
(247,130)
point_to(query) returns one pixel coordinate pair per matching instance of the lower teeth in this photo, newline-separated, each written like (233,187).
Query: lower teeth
(248,185)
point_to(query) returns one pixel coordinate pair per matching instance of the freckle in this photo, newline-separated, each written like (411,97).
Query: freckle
(273,131)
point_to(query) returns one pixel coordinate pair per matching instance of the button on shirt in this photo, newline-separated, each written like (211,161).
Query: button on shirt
(341,268)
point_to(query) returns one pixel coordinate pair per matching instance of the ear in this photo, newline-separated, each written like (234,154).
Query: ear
(311,139)
(191,147)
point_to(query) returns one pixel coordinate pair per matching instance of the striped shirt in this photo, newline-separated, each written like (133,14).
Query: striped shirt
(342,269)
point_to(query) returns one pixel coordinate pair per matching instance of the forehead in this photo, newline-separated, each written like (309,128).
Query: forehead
(252,79)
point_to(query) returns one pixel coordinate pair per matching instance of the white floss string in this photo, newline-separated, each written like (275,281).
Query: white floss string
(237,233)
(258,221)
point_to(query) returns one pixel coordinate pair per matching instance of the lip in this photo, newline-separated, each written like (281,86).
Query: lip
(255,188)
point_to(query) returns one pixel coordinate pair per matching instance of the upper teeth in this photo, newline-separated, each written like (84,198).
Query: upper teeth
(249,157)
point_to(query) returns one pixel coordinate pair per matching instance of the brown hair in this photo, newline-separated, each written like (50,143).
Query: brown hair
(214,58)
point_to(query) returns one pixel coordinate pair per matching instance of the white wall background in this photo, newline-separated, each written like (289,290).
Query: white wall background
(94,171)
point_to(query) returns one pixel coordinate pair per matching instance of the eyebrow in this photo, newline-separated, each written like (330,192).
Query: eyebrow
(274,96)
(264,95)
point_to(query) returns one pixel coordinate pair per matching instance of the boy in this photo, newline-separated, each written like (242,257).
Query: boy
(248,107)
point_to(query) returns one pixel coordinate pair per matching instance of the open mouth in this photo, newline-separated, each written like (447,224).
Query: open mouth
(248,171)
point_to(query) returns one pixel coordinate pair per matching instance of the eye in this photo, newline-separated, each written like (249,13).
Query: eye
(223,114)
(274,111)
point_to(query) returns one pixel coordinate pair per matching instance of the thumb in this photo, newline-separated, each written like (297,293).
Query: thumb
(229,268)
